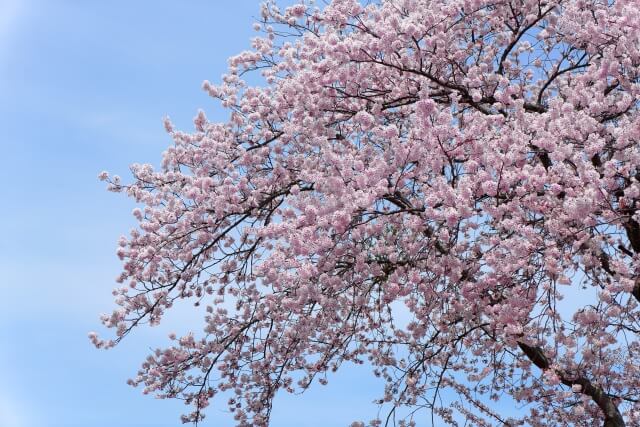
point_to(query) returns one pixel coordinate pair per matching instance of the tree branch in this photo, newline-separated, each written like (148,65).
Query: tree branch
(612,416)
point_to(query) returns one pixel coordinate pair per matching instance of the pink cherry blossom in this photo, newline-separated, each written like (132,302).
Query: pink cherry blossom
(446,190)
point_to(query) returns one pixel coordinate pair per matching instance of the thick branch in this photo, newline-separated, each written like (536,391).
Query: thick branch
(612,416)
(633,233)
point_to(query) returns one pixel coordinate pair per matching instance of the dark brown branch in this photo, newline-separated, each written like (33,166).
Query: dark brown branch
(612,416)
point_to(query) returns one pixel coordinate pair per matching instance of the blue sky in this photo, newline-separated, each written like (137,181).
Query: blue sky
(84,86)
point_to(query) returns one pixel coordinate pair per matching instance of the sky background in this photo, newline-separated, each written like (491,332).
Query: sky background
(84,86)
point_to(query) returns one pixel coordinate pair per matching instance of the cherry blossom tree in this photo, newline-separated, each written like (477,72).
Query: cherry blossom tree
(415,186)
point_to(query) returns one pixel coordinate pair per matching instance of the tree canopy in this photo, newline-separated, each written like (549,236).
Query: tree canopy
(444,190)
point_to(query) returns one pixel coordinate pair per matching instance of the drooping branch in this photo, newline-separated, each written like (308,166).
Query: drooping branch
(612,416)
